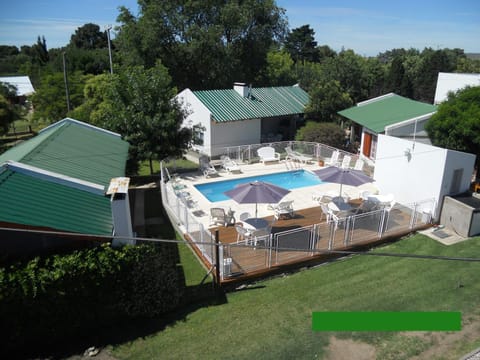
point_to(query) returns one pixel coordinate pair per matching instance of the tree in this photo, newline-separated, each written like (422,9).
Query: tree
(456,124)
(326,133)
(89,37)
(279,69)
(139,105)
(204,44)
(94,94)
(50,100)
(301,45)
(8,111)
(326,99)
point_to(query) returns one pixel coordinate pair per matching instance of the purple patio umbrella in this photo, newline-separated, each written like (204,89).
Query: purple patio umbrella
(257,192)
(341,176)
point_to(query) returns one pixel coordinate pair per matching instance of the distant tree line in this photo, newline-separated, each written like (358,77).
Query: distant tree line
(205,45)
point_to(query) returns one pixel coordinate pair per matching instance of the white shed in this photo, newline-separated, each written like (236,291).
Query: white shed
(413,171)
(451,82)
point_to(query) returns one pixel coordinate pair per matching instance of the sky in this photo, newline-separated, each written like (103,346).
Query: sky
(366,26)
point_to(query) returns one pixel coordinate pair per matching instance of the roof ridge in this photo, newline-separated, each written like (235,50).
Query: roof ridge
(54,177)
(68,120)
(378,98)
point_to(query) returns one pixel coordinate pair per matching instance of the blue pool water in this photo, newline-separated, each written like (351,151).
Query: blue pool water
(214,191)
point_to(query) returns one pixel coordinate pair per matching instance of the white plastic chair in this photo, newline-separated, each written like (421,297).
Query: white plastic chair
(284,208)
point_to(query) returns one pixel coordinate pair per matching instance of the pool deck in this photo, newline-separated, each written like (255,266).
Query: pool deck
(302,198)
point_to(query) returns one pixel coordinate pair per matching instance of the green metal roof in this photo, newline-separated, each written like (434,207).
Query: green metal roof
(229,105)
(75,149)
(29,200)
(376,114)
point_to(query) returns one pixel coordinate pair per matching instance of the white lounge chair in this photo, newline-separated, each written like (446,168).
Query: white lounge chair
(206,167)
(268,154)
(281,209)
(358,164)
(333,161)
(230,165)
(346,162)
(296,156)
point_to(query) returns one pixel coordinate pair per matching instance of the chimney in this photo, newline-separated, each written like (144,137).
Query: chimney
(242,89)
(120,204)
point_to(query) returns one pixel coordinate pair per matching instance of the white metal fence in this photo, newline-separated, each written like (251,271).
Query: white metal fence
(298,244)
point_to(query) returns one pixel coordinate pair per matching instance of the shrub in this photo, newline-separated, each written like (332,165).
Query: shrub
(51,299)
(327,133)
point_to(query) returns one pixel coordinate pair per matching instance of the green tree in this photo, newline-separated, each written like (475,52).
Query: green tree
(301,45)
(456,124)
(94,95)
(279,69)
(466,65)
(205,44)
(49,99)
(326,133)
(139,105)
(425,82)
(326,99)
(8,111)
(89,37)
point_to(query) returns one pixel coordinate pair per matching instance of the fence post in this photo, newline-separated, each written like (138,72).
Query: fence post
(414,215)
(217,258)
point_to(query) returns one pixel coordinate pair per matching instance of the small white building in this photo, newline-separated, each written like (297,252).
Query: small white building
(388,114)
(242,115)
(23,85)
(413,171)
(452,82)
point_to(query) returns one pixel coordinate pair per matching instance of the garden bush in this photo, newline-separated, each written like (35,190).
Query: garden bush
(54,298)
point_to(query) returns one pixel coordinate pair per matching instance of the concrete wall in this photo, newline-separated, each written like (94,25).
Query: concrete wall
(456,216)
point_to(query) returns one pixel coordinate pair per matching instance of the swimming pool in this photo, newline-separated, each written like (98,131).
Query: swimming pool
(214,191)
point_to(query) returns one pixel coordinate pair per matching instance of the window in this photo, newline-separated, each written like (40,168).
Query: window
(198,135)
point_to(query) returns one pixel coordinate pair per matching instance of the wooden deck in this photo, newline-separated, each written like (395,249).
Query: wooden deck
(292,246)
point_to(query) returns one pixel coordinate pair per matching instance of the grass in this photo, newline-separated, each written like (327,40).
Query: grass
(272,319)
(173,166)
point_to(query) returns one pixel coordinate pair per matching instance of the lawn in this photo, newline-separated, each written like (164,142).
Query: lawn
(173,166)
(271,319)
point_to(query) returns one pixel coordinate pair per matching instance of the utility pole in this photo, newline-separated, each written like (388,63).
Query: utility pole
(107,29)
(66,82)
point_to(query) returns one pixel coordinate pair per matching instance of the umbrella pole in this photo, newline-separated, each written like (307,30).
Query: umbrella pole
(256,210)
(341,189)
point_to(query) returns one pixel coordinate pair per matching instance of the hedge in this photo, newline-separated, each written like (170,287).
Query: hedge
(51,299)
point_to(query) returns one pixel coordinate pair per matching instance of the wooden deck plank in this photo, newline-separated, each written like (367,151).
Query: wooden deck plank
(249,262)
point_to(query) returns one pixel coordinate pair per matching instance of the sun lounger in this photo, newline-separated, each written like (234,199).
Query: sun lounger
(206,167)
(296,156)
(230,165)
(333,161)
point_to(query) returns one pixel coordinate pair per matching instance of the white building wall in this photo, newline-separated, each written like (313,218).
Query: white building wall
(411,178)
(197,114)
(233,133)
(414,171)
(457,160)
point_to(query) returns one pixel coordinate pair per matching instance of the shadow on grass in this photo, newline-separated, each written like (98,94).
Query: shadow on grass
(197,294)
